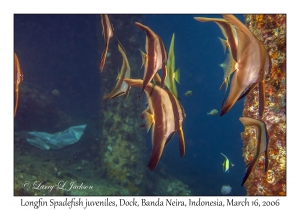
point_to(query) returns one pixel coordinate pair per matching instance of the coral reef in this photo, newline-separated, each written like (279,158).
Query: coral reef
(270,30)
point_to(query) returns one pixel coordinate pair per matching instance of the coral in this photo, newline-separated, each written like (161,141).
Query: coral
(271,30)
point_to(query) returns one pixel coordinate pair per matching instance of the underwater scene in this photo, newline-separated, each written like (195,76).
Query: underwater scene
(149,104)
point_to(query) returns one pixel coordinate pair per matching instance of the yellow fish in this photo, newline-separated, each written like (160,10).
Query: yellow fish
(165,115)
(172,75)
(227,164)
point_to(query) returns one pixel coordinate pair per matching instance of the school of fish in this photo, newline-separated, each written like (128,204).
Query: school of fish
(246,66)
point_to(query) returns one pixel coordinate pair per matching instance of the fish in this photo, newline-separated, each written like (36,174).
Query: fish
(172,75)
(18,78)
(252,67)
(165,115)
(213,112)
(188,93)
(121,88)
(262,144)
(228,31)
(229,67)
(155,57)
(227,164)
(108,34)
(226,189)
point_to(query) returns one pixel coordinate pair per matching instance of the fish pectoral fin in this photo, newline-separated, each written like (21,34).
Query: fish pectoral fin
(236,88)
(181,142)
(222,85)
(144,58)
(224,43)
(170,137)
(149,119)
(248,91)
(164,76)
(127,92)
(176,75)
(262,97)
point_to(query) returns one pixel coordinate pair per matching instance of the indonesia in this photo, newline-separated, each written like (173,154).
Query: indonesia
(205,203)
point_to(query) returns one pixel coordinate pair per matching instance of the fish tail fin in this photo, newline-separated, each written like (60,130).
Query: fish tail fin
(224,43)
(207,113)
(177,75)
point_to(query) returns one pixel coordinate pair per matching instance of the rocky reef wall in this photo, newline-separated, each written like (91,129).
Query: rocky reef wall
(122,140)
(270,30)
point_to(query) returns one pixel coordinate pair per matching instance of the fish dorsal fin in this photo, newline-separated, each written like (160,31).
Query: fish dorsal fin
(224,155)
(243,34)
(148,118)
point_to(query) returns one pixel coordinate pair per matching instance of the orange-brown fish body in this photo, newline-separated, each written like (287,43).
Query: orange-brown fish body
(262,143)
(253,65)
(107,33)
(155,57)
(166,114)
(18,78)
(121,88)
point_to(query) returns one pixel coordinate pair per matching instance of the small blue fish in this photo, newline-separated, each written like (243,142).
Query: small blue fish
(226,189)
(226,164)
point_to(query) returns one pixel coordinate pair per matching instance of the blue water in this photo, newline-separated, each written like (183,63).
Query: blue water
(198,53)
